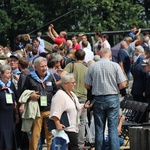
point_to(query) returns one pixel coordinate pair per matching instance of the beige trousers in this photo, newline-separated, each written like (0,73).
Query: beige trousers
(36,131)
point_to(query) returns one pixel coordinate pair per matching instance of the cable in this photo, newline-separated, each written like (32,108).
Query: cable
(53,20)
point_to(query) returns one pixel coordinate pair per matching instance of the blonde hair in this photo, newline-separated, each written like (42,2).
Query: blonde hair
(90,62)
(128,39)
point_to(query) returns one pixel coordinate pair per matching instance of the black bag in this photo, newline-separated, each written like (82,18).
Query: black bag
(65,61)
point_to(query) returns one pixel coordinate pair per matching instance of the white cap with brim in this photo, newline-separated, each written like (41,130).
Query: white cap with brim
(15,55)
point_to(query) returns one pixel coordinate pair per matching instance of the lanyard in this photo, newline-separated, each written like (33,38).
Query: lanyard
(43,85)
(72,98)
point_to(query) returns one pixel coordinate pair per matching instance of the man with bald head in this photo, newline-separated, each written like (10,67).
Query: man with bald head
(124,59)
(105,78)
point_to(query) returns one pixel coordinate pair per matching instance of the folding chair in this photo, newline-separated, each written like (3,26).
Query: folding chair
(141,108)
(134,119)
(127,109)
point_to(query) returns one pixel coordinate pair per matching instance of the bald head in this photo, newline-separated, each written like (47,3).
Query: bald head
(63,34)
(124,45)
(105,53)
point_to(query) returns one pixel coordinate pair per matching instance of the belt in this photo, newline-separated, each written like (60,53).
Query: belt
(106,95)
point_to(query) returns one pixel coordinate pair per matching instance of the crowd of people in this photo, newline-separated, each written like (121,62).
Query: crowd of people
(36,84)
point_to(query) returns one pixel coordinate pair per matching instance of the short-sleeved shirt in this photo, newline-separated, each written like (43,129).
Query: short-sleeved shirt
(59,40)
(79,70)
(132,35)
(61,102)
(89,55)
(104,77)
(76,47)
(123,56)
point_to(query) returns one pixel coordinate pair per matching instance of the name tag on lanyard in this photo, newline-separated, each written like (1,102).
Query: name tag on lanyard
(43,99)
(9,99)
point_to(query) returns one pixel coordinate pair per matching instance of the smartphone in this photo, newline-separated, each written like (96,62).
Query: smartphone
(92,101)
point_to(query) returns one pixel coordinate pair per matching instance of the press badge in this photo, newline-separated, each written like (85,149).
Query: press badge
(9,99)
(43,100)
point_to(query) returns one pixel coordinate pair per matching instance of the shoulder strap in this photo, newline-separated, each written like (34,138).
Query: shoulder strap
(72,70)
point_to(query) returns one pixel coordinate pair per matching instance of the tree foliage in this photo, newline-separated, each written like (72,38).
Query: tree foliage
(25,16)
(20,16)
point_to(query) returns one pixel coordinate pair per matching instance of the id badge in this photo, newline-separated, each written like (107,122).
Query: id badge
(9,99)
(43,100)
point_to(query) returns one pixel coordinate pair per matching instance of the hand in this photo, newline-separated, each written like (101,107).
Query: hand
(49,28)
(59,71)
(21,109)
(139,29)
(60,127)
(35,96)
(119,130)
(88,104)
(52,26)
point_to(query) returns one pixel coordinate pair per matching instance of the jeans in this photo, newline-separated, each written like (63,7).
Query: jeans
(120,140)
(106,107)
(81,134)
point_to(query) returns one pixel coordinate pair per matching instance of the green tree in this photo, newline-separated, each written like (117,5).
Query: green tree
(104,15)
(19,17)
(146,5)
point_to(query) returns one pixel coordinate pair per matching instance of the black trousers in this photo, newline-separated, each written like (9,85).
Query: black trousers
(73,137)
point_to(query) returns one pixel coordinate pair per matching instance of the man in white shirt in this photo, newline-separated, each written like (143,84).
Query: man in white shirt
(84,38)
(39,34)
(88,53)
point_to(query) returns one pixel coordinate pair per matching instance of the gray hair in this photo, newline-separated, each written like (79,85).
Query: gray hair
(96,58)
(56,57)
(39,59)
(66,78)
(105,50)
(70,42)
(139,48)
(146,38)
(3,68)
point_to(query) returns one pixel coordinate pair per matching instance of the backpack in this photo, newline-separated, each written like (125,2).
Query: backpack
(65,61)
